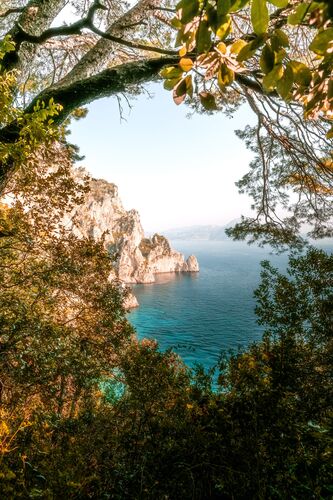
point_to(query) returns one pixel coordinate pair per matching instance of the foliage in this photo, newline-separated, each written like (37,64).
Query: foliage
(277,56)
(62,321)
(232,38)
(264,432)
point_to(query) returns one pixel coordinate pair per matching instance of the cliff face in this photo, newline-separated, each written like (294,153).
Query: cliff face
(138,258)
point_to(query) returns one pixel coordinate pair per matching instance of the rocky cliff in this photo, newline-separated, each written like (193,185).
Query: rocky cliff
(138,258)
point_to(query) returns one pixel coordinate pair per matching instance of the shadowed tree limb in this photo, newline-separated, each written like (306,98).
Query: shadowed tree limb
(35,18)
(7,12)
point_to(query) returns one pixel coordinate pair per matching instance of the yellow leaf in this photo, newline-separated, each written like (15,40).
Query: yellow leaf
(222,47)
(186,64)
(183,51)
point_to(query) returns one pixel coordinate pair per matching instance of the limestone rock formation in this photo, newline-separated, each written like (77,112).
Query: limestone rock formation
(192,264)
(137,259)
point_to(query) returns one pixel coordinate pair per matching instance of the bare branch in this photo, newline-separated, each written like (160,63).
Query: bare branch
(8,12)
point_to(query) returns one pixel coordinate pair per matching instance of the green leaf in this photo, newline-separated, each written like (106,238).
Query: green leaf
(279,3)
(279,56)
(302,74)
(284,85)
(176,23)
(237,46)
(225,76)
(238,4)
(329,135)
(212,17)
(322,42)
(259,16)
(269,81)
(246,52)
(223,7)
(203,37)
(279,39)
(224,28)
(299,14)
(267,59)
(190,9)
(208,101)
(250,48)
(179,92)
(170,84)
(330,90)
(189,85)
(171,72)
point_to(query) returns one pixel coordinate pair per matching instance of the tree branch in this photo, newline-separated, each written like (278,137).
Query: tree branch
(15,10)
(107,83)
(133,45)
(76,28)
(98,56)
(35,17)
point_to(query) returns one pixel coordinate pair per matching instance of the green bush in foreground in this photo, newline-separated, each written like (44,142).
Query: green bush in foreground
(266,432)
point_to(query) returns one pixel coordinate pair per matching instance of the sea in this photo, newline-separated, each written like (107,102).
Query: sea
(200,315)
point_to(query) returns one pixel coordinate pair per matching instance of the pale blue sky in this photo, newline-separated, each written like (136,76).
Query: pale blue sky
(175,171)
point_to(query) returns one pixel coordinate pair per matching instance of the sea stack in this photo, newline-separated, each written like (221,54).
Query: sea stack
(137,258)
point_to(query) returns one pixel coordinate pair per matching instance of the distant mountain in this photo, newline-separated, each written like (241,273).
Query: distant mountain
(200,233)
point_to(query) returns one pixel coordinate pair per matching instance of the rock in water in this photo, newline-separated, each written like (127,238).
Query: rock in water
(137,258)
(192,264)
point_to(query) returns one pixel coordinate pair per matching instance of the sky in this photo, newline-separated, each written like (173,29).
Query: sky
(176,171)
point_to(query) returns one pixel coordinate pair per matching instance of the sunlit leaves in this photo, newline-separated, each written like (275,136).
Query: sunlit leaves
(186,64)
(237,46)
(299,14)
(224,27)
(182,88)
(225,76)
(284,85)
(266,52)
(302,74)
(175,80)
(171,72)
(169,84)
(259,16)
(179,92)
(279,3)
(188,9)
(6,45)
(249,49)
(203,38)
(270,80)
(323,42)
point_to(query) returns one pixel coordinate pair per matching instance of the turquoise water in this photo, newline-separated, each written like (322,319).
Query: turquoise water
(200,314)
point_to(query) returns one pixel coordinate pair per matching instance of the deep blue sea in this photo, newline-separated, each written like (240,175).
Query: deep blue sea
(201,314)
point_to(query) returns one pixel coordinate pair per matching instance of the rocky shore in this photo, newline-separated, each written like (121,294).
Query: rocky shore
(137,258)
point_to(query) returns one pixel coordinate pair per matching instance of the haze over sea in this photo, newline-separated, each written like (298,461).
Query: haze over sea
(201,314)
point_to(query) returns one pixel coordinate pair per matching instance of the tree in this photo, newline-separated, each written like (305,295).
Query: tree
(62,321)
(164,432)
(274,55)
